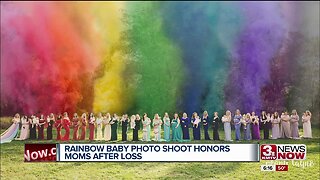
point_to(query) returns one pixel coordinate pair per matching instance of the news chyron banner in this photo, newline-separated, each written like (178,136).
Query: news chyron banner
(166,152)
(158,152)
(143,152)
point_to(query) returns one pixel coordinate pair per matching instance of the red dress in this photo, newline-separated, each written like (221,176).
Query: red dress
(41,129)
(65,125)
(75,122)
(83,128)
(58,125)
(91,128)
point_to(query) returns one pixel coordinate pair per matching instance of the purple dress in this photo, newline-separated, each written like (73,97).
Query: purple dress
(255,130)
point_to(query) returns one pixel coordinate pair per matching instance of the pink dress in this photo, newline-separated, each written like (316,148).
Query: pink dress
(307,132)
(285,126)
(294,126)
(275,128)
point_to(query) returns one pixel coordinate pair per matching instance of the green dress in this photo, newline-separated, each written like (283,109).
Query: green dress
(176,132)
(166,128)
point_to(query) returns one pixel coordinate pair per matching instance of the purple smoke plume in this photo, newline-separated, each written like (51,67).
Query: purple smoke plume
(257,45)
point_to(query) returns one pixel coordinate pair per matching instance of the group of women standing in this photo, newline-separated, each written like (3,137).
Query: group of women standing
(284,126)
(105,127)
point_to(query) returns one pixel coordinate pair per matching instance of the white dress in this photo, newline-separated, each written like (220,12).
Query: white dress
(157,129)
(24,134)
(107,129)
(146,129)
(99,128)
(8,135)
(227,128)
(307,132)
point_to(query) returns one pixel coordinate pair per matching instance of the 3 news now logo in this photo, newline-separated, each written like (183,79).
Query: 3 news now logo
(40,152)
(283,152)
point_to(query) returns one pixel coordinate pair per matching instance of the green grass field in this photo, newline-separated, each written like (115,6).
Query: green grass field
(14,167)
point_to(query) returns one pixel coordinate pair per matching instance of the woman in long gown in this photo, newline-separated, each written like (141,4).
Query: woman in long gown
(247,126)
(107,127)
(9,134)
(185,123)
(195,120)
(255,127)
(132,122)
(50,121)
(114,127)
(176,128)
(215,126)
(285,125)
(268,123)
(294,124)
(75,124)
(41,123)
(99,120)
(24,134)
(157,122)
(275,120)
(92,121)
(146,127)
(306,119)
(136,128)
(66,126)
(205,123)
(33,127)
(226,120)
(237,124)
(83,126)
(124,125)
(166,126)
(264,125)
(58,125)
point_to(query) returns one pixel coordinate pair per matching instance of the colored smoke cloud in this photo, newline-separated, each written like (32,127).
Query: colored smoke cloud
(153,57)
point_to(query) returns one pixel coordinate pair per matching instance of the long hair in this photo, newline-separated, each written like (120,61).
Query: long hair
(194,115)
(177,115)
(308,113)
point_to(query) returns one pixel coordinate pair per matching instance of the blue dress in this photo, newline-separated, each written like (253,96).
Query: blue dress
(205,123)
(185,122)
(196,131)
(247,130)
(237,126)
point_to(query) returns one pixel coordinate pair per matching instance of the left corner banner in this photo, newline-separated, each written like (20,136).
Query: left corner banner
(40,152)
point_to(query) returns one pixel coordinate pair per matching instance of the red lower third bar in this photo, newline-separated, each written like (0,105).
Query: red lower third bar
(282,167)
